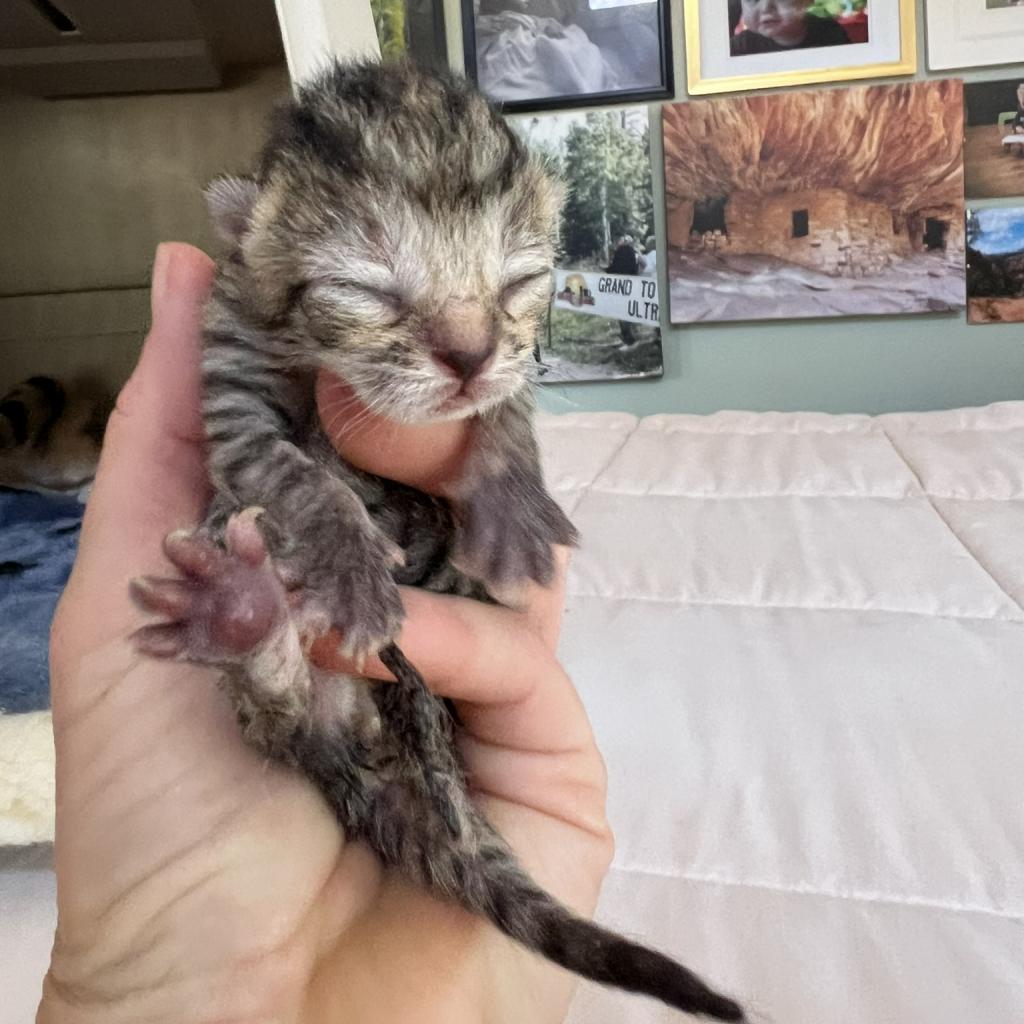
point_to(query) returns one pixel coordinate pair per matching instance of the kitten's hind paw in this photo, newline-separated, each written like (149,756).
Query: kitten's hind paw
(227,605)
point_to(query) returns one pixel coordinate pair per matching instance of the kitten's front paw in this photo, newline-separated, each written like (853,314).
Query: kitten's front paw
(353,587)
(227,605)
(506,529)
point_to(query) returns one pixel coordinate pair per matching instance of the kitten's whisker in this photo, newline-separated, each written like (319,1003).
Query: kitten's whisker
(340,412)
(367,412)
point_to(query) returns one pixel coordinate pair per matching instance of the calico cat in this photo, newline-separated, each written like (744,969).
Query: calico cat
(397,234)
(51,433)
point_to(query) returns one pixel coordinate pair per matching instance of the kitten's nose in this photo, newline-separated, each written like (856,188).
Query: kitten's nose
(461,339)
(464,363)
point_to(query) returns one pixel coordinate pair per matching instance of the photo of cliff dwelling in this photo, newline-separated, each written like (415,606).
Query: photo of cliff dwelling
(827,203)
(994,138)
(995,266)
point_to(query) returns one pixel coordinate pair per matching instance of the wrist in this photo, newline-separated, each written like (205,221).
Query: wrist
(107,985)
(64,1003)
(75,994)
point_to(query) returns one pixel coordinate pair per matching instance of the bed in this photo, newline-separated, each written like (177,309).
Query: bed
(801,642)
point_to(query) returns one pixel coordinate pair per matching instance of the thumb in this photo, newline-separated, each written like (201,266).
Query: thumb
(163,391)
(151,478)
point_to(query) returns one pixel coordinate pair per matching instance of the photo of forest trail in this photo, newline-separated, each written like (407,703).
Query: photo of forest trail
(607,220)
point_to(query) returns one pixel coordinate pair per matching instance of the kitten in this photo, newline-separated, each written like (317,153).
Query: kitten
(399,235)
(50,433)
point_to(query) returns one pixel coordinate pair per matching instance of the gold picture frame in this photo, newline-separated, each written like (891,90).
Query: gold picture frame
(697,84)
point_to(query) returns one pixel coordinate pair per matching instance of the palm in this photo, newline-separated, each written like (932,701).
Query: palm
(198,881)
(233,869)
(167,823)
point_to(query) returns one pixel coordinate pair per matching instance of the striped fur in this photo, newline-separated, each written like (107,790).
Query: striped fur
(387,198)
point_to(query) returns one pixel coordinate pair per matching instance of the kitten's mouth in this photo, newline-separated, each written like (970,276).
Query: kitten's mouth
(465,398)
(461,402)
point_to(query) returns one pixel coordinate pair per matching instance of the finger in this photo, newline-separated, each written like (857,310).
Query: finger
(544,605)
(423,456)
(152,456)
(502,673)
(164,389)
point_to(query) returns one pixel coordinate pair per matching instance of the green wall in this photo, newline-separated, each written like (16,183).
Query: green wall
(860,364)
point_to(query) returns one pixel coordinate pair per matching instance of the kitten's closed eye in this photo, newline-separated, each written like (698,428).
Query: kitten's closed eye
(382,306)
(524,292)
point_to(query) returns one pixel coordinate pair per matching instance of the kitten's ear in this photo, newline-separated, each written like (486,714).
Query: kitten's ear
(230,202)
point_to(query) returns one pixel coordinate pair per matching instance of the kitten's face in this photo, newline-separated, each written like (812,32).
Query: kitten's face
(422,279)
(426,313)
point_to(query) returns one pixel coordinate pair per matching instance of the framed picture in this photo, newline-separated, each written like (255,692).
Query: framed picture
(549,54)
(994,143)
(974,33)
(995,265)
(835,202)
(604,317)
(734,45)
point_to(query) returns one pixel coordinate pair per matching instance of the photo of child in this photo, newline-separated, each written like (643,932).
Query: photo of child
(771,26)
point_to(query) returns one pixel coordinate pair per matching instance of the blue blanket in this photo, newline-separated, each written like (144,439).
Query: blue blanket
(38,540)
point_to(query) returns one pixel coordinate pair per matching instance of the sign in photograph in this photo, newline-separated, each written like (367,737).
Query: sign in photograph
(615,296)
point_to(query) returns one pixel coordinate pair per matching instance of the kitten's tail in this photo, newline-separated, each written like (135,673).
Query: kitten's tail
(448,846)
(491,883)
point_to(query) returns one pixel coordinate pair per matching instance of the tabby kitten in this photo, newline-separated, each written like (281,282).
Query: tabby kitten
(51,433)
(398,235)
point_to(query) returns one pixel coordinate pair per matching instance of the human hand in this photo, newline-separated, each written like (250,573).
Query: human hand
(198,882)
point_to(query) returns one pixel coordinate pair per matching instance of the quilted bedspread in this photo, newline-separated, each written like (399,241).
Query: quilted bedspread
(800,639)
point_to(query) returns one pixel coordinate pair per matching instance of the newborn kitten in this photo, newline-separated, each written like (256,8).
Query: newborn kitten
(398,235)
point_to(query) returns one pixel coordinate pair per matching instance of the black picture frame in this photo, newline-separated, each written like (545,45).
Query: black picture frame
(425,33)
(665,91)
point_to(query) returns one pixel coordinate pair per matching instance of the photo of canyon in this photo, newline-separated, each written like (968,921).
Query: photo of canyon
(828,203)
(995,266)
(994,138)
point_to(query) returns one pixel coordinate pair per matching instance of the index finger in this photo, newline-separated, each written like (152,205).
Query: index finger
(544,605)
(540,614)
(493,661)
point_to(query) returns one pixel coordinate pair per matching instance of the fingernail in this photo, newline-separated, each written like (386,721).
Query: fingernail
(161,266)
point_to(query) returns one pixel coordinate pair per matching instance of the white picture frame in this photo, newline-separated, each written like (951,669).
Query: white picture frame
(969,33)
(313,31)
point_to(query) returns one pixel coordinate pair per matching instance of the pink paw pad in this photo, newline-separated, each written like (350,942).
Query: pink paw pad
(226,604)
